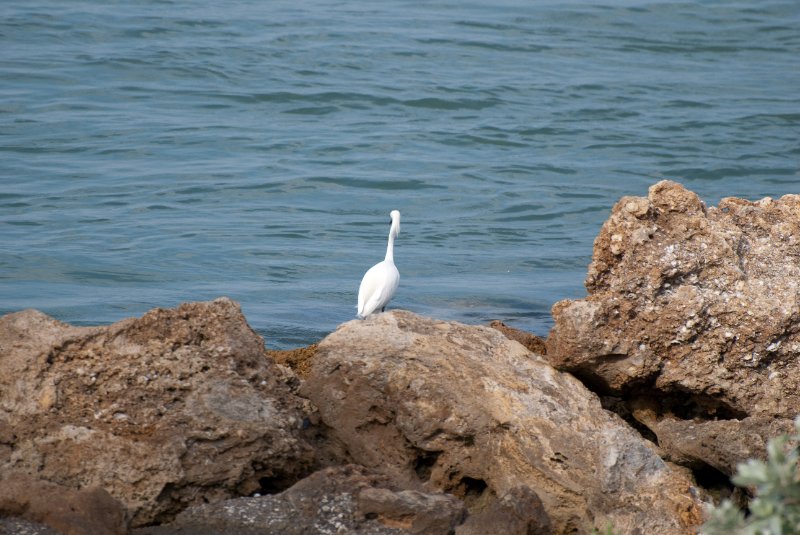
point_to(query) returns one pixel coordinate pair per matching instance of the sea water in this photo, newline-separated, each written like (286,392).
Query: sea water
(165,151)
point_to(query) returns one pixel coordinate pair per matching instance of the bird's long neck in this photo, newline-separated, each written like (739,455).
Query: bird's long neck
(390,246)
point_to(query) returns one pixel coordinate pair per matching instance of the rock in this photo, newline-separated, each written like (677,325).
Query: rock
(19,526)
(532,342)
(180,406)
(339,500)
(518,512)
(414,512)
(697,310)
(438,405)
(70,511)
(298,360)
(721,444)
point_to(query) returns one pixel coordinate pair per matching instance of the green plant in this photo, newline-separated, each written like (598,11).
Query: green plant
(775,508)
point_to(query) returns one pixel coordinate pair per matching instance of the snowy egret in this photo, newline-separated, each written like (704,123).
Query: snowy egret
(381,280)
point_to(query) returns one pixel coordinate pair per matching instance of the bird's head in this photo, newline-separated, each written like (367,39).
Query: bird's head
(395,215)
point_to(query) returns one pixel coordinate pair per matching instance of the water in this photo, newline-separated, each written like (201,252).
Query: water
(167,151)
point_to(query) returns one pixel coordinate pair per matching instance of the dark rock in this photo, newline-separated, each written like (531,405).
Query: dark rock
(70,511)
(20,526)
(532,342)
(340,500)
(518,512)
(721,444)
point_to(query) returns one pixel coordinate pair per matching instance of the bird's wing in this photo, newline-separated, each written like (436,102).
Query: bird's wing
(369,290)
(377,287)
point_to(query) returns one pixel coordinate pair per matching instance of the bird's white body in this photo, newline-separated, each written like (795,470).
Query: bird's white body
(381,280)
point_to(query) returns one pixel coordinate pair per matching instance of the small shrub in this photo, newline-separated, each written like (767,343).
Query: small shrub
(775,509)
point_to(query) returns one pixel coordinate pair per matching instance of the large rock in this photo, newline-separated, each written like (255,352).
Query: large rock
(333,501)
(440,405)
(695,312)
(178,407)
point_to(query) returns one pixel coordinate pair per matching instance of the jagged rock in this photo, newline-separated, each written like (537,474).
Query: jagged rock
(67,510)
(698,310)
(332,501)
(440,405)
(181,406)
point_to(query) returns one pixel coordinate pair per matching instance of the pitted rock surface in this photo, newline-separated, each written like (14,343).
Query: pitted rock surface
(177,407)
(698,310)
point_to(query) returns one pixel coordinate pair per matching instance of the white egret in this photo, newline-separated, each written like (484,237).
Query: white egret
(381,280)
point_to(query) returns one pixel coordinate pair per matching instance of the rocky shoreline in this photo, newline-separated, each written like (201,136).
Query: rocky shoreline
(680,363)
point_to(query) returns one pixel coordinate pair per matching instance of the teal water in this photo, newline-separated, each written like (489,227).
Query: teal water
(165,151)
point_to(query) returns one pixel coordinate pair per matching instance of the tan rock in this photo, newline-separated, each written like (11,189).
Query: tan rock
(440,405)
(179,406)
(697,309)
(532,342)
